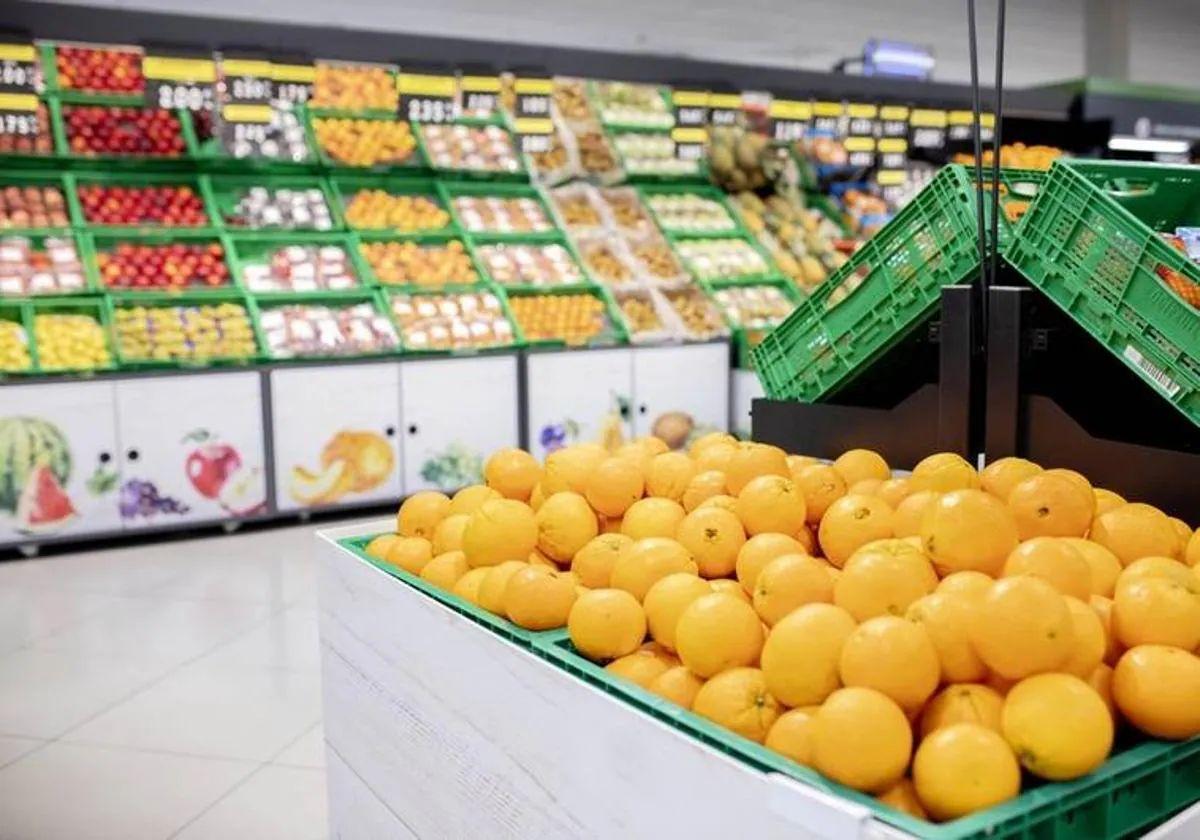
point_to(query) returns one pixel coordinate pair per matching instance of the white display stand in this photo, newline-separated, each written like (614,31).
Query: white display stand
(744,389)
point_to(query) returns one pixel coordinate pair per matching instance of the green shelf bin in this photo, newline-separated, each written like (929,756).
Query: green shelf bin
(415,164)
(883,292)
(211,156)
(597,101)
(363,238)
(257,248)
(76,180)
(345,187)
(392,293)
(224,191)
(702,191)
(264,303)
(1091,243)
(745,339)
(79,162)
(162,301)
(771,273)
(481,241)
(615,334)
(48,51)
(83,248)
(103,242)
(23,178)
(93,306)
(449,190)
(521,174)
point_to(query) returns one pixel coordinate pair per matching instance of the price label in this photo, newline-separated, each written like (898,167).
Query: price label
(927,129)
(179,81)
(18,114)
(861,120)
(19,68)
(427,98)
(962,126)
(245,123)
(789,119)
(691,143)
(690,133)
(247,81)
(893,152)
(480,94)
(893,121)
(827,119)
(860,151)
(724,108)
(531,117)
(293,82)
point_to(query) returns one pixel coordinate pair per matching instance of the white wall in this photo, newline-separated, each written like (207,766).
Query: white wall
(1045,37)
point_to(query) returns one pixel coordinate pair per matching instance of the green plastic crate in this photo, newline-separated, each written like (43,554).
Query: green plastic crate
(346,186)
(614,335)
(159,301)
(48,54)
(698,175)
(257,248)
(36,160)
(363,238)
(137,179)
(211,156)
(91,306)
(1091,243)
(521,174)
(596,100)
(40,178)
(449,190)
(701,190)
(82,162)
(881,294)
(1140,786)
(479,242)
(223,192)
(103,242)
(414,164)
(264,303)
(83,248)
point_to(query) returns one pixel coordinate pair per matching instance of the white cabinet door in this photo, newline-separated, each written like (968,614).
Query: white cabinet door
(746,389)
(454,413)
(336,435)
(690,379)
(576,396)
(59,460)
(192,448)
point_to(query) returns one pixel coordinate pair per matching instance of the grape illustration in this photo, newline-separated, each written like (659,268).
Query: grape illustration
(140,498)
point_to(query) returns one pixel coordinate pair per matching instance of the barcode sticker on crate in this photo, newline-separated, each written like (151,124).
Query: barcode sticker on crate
(1157,375)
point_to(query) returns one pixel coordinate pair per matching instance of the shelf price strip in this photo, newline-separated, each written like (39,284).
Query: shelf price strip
(246,81)
(789,119)
(723,108)
(927,129)
(827,119)
(961,122)
(293,82)
(531,118)
(18,90)
(892,146)
(480,94)
(861,128)
(427,98)
(179,81)
(690,133)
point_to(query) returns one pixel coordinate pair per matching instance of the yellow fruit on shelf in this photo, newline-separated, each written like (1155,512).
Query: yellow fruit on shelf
(771,504)
(421,512)
(703,485)
(642,667)
(445,570)
(944,472)
(821,485)
(467,586)
(851,522)
(758,552)
(946,617)
(668,475)
(1001,476)
(749,460)
(1102,607)
(614,485)
(447,536)
(677,684)
(963,703)
(1090,640)
(498,531)
(648,561)
(721,500)
(1156,688)
(538,598)
(906,521)
(1161,567)
(378,547)
(791,734)
(714,537)
(861,739)
(1104,565)
(1101,680)
(970,584)
(738,699)
(606,623)
(512,473)
(565,524)
(1106,500)
(1021,627)
(903,797)
(1134,531)
(730,587)
(883,578)
(893,656)
(667,599)
(717,457)
(570,467)
(593,563)
(857,464)
(1050,504)
(652,517)
(710,439)
(494,587)
(801,654)
(411,554)
(894,491)
(964,768)
(1055,561)
(968,530)
(789,582)
(717,632)
(468,499)
(1156,610)
(1057,725)
(1191,551)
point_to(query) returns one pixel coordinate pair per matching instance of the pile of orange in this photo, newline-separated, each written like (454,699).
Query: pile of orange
(922,638)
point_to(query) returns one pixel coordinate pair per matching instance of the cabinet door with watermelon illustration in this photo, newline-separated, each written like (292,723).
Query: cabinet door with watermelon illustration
(455,412)
(680,392)
(191,448)
(336,435)
(577,396)
(59,461)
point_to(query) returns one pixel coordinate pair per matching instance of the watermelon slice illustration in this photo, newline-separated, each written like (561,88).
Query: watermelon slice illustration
(44,505)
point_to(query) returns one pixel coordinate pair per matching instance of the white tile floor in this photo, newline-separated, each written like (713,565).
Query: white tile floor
(165,690)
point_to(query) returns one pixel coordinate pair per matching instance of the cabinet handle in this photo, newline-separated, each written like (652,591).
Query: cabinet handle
(412,428)
(132,455)
(390,431)
(105,457)
(642,408)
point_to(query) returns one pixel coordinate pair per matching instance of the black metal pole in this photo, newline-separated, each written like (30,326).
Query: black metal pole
(996,143)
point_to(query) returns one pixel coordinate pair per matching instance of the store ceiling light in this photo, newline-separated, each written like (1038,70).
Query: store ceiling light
(897,58)
(1149,145)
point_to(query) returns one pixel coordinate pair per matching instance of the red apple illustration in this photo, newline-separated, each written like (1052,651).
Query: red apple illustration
(209,465)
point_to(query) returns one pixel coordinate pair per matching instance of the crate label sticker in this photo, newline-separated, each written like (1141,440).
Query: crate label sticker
(19,68)
(723,108)
(1152,371)
(293,82)
(531,117)
(425,98)
(480,94)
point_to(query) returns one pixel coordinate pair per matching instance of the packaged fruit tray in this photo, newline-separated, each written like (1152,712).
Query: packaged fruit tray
(355,88)
(655,261)
(71,335)
(699,317)
(164,263)
(284,145)
(296,263)
(691,210)
(648,156)
(170,331)
(35,201)
(631,105)
(647,317)
(268,204)
(453,320)
(472,149)
(418,261)
(41,263)
(395,204)
(884,291)
(752,311)
(95,73)
(536,264)
(364,143)
(711,259)
(566,317)
(499,211)
(93,136)
(1092,242)
(1136,789)
(136,202)
(579,209)
(328,325)
(628,212)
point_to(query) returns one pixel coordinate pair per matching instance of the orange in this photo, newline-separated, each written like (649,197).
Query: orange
(858,464)
(538,598)
(1000,477)
(968,530)
(1191,552)
(965,703)
(861,739)
(512,473)
(1057,725)
(710,439)
(444,570)
(652,444)
(788,582)
(738,700)
(1076,478)
(850,522)
(750,460)
(378,547)
(1101,680)
(821,485)
(865,487)
(668,475)
(467,586)
(1163,567)
(494,585)
(677,684)
(1000,685)
(536,558)
(570,467)
(808,541)
(721,500)
(910,512)
(713,536)
(447,536)
(606,623)
(1157,611)
(1184,533)
(500,530)
(1022,626)
(704,485)
(903,797)
(1106,500)
(894,490)
(771,504)
(1156,688)
(536,497)
(758,552)
(1102,607)
(972,585)
(410,554)
(647,561)
(1051,505)
(946,617)
(652,517)
(797,463)
(641,667)
(717,632)
(964,768)
(468,499)
(593,563)
(421,512)
(716,457)
(1091,641)
(1053,560)
(565,524)
(883,578)
(667,599)
(1104,564)
(893,656)
(609,524)
(791,734)
(614,485)
(730,587)
(943,472)
(1134,531)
